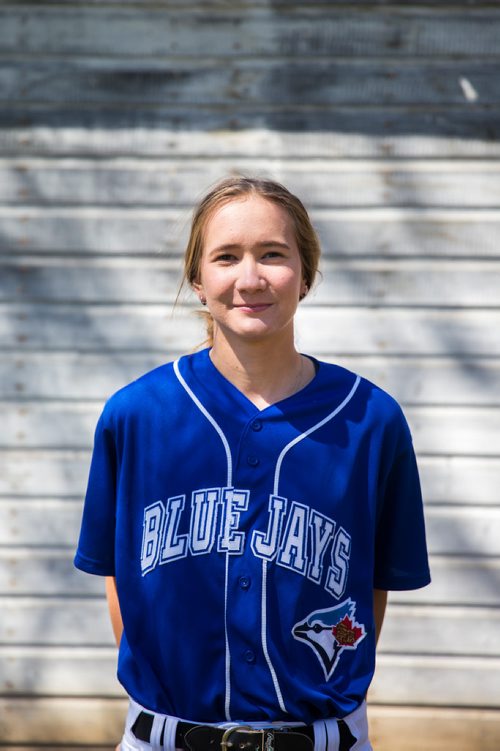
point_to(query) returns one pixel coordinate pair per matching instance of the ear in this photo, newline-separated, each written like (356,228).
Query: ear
(197,287)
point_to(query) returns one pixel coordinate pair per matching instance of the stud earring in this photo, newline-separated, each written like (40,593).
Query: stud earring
(203,300)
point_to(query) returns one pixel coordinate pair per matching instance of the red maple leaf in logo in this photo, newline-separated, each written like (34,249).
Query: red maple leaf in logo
(347,633)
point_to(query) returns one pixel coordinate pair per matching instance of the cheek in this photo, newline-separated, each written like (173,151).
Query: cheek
(289,281)
(215,282)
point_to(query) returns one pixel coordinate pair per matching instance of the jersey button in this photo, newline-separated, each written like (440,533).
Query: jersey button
(256,425)
(249,656)
(244,582)
(252,460)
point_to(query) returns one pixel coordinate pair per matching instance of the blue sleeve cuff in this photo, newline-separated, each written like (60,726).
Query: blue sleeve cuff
(91,566)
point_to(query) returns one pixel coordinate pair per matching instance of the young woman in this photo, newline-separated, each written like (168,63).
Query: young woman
(251,506)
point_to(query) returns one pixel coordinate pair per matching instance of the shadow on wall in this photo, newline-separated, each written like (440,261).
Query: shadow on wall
(107,140)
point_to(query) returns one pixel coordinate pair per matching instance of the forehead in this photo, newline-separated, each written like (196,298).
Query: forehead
(249,219)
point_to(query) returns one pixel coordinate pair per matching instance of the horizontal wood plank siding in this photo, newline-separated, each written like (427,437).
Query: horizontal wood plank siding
(75,721)
(457,580)
(46,522)
(329,184)
(355,283)
(396,131)
(437,380)
(112,83)
(297,31)
(31,670)
(436,430)
(115,116)
(61,473)
(154,328)
(147,232)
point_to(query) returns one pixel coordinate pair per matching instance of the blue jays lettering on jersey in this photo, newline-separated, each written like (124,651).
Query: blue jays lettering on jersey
(246,543)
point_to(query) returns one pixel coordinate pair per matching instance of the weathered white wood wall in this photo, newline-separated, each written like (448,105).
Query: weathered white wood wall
(114,118)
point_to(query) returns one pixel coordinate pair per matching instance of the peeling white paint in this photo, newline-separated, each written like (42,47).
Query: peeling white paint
(468,89)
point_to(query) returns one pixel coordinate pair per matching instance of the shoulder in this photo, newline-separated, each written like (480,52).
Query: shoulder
(158,387)
(142,389)
(381,402)
(338,377)
(366,398)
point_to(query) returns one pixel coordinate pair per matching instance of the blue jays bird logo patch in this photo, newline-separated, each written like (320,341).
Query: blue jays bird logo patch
(328,632)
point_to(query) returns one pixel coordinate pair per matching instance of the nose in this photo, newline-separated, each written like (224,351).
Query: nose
(250,278)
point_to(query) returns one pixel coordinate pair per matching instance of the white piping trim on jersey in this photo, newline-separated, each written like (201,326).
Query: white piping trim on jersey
(311,430)
(263,636)
(227,449)
(227,705)
(229,483)
(211,420)
(264,562)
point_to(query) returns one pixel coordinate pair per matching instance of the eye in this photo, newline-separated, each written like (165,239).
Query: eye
(273,254)
(225,258)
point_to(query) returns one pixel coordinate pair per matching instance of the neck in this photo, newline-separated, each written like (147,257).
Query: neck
(265,372)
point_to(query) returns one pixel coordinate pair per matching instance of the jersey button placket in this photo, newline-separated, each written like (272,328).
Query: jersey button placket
(246,475)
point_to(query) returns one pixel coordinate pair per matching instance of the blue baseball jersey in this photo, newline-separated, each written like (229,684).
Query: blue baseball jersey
(246,543)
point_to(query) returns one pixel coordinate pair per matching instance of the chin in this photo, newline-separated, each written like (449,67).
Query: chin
(253,334)
(256,334)
(254,329)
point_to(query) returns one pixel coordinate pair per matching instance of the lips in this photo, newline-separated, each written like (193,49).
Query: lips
(253,307)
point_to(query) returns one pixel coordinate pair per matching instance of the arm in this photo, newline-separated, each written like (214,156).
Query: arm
(114,608)
(379,605)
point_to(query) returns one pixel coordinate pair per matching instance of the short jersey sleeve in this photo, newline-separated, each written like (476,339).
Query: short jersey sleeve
(400,544)
(96,546)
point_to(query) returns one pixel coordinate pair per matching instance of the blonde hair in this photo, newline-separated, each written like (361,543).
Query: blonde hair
(234,188)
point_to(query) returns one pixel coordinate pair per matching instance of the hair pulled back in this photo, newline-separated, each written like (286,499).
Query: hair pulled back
(236,188)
